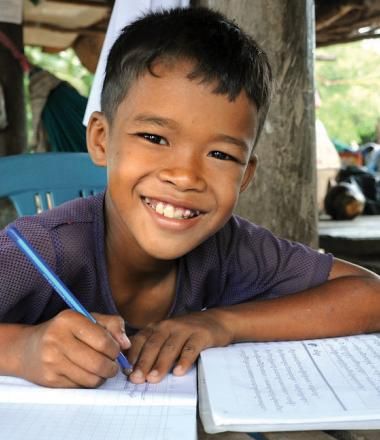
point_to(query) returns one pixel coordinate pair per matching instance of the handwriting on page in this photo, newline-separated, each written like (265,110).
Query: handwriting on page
(292,379)
(358,361)
(281,376)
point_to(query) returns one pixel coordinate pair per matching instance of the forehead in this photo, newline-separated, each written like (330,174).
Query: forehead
(167,91)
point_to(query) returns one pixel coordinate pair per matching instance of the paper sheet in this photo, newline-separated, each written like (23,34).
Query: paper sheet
(118,410)
(295,384)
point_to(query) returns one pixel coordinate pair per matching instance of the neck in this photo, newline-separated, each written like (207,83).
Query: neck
(143,287)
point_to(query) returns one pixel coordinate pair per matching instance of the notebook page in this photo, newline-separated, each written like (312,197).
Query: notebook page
(82,422)
(172,390)
(299,383)
(117,410)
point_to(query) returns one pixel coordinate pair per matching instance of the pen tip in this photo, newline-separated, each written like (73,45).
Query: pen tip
(127,371)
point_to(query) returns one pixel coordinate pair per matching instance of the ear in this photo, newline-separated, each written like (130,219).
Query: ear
(249,173)
(97,136)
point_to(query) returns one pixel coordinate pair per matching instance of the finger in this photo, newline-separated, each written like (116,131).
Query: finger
(189,355)
(147,357)
(64,382)
(96,337)
(116,326)
(137,343)
(166,358)
(90,361)
(59,381)
(78,377)
(68,375)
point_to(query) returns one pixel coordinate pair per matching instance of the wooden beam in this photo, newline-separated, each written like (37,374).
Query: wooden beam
(97,29)
(87,2)
(13,137)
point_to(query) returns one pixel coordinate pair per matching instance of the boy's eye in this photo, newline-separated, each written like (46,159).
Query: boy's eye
(154,138)
(221,156)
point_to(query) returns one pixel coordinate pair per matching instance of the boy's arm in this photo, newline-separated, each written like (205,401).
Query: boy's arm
(348,303)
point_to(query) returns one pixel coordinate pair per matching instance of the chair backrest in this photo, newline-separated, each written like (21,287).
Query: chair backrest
(40,181)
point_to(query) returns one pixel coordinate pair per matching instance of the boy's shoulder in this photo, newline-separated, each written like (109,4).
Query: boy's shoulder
(243,260)
(69,239)
(79,210)
(243,244)
(76,211)
(73,222)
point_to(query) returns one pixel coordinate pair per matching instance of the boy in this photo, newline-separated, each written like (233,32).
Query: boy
(160,254)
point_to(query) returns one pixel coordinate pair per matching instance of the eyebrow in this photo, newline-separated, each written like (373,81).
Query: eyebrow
(156,120)
(232,140)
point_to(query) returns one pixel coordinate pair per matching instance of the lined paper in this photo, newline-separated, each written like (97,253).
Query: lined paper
(298,385)
(117,410)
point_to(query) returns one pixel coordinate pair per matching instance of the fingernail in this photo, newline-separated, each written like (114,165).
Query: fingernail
(124,341)
(153,373)
(138,374)
(178,370)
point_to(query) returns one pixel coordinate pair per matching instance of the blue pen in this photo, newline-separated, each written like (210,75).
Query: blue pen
(45,270)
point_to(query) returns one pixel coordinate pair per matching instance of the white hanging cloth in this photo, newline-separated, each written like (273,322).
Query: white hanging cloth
(123,13)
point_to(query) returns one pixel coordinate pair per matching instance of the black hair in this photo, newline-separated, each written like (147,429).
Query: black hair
(220,50)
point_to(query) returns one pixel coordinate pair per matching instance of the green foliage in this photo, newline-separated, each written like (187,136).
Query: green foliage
(349,89)
(65,65)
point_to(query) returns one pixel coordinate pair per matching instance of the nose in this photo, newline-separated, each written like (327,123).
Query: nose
(185,173)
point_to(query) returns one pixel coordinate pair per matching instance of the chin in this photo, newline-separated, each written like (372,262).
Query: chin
(165,250)
(167,254)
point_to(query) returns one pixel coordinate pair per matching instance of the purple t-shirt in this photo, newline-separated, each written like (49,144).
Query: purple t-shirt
(240,262)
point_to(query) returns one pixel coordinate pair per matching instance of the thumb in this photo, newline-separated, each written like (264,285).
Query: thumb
(116,327)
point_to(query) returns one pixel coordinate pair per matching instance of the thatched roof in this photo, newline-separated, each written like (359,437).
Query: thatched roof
(58,24)
(342,21)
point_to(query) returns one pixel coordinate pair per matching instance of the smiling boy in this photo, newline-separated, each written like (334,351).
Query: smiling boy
(160,254)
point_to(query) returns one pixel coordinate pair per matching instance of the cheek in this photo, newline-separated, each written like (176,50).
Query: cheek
(121,163)
(227,191)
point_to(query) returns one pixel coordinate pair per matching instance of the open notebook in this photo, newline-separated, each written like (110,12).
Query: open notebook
(291,386)
(117,410)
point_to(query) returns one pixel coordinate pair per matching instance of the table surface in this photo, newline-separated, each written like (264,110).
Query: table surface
(362,227)
(356,240)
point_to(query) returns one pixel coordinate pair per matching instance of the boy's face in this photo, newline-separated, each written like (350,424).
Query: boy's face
(178,155)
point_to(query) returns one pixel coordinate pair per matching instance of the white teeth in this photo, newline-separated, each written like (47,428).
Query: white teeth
(160,207)
(178,213)
(170,211)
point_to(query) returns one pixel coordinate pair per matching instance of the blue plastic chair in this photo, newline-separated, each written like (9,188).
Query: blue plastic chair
(40,181)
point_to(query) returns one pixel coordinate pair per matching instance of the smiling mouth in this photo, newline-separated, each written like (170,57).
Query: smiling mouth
(170,211)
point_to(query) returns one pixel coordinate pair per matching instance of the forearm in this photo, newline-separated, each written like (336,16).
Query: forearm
(12,341)
(342,306)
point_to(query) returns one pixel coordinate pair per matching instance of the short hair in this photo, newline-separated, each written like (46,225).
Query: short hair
(221,52)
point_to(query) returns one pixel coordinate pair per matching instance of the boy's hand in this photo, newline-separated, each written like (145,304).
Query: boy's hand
(175,342)
(71,351)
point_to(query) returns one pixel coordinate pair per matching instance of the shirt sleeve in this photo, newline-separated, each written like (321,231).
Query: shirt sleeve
(257,263)
(24,293)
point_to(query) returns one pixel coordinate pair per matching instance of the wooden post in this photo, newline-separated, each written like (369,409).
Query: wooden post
(283,196)
(13,138)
